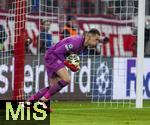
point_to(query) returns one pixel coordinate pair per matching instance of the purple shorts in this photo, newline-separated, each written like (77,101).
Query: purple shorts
(53,64)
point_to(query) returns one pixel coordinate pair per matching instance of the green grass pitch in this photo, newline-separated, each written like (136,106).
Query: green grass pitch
(86,113)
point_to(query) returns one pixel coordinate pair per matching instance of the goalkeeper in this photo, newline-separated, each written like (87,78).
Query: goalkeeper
(56,62)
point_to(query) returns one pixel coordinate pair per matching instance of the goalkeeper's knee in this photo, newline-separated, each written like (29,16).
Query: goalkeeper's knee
(65,81)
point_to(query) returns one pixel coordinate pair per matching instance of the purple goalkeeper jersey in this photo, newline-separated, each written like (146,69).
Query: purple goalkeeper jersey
(66,46)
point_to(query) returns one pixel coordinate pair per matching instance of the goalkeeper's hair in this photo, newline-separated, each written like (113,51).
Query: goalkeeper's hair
(94,31)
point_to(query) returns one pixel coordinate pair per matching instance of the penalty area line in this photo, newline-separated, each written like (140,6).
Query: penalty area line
(74,109)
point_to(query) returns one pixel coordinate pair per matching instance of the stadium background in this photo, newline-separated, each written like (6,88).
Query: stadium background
(104,15)
(88,13)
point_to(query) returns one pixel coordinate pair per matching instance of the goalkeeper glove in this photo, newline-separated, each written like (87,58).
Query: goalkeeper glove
(71,66)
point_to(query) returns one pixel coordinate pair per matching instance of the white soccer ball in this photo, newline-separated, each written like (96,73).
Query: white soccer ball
(74,59)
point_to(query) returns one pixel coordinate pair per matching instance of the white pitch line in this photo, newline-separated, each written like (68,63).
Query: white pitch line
(89,109)
(70,109)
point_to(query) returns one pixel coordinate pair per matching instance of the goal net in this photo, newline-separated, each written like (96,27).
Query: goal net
(12,49)
(25,36)
(114,79)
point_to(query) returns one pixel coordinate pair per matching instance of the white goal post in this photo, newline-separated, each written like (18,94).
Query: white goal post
(140,54)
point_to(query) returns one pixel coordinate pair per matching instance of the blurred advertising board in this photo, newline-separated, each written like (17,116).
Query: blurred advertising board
(124,84)
(83,83)
(99,78)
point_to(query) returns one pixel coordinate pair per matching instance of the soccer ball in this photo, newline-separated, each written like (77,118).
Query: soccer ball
(74,59)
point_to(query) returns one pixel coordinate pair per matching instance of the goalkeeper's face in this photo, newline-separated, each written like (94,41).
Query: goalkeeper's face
(93,40)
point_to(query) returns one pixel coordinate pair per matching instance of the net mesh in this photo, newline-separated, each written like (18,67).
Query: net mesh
(109,87)
(12,26)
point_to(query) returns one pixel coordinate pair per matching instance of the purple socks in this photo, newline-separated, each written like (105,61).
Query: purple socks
(39,94)
(48,91)
(55,88)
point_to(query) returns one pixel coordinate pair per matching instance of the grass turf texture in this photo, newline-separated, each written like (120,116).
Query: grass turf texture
(86,113)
